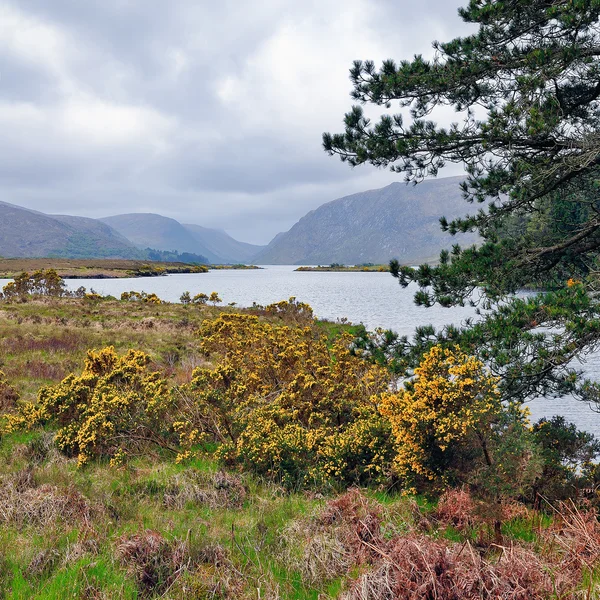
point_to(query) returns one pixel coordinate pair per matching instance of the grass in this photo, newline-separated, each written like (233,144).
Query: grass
(154,528)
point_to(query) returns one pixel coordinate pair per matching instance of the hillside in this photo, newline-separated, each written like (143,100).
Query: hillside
(28,233)
(397,221)
(222,246)
(148,230)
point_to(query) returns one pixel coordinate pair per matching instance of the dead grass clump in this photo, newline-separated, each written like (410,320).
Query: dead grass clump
(345,533)
(154,561)
(417,567)
(24,503)
(362,519)
(456,508)
(43,562)
(68,342)
(8,395)
(575,537)
(514,510)
(42,369)
(41,448)
(218,490)
(210,581)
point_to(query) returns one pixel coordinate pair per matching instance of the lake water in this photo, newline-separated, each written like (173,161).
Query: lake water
(374,299)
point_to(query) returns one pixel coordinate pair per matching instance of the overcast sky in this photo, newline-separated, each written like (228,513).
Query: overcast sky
(210,112)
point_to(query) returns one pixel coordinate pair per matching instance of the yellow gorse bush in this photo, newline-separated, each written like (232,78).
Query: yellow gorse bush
(115,406)
(286,404)
(451,401)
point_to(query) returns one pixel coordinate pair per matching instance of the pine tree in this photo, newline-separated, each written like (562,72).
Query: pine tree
(525,86)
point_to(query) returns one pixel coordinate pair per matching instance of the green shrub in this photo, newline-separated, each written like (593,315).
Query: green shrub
(116,406)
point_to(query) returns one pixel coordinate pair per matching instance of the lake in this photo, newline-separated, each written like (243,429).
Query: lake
(374,299)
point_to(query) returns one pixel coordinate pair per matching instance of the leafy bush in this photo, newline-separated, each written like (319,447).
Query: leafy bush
(450,427)
(134,296)
(114,407)
(286,405)
(39,283)
(568,456)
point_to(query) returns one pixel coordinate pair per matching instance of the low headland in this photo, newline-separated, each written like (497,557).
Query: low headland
(336,267)
(96,268)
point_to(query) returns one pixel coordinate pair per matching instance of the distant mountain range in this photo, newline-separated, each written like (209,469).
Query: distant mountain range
(397,221)
(148,230)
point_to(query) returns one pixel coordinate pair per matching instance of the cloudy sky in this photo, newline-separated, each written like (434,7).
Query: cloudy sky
(208,112)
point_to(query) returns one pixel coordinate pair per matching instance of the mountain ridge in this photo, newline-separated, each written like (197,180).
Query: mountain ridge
(396,221)
(29,234)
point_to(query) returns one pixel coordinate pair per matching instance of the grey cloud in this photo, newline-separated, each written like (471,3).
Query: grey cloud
(203,111)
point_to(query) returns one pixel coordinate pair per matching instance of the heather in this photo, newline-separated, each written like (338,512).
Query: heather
(187,450)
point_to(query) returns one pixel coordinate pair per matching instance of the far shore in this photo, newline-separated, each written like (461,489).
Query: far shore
(369,268)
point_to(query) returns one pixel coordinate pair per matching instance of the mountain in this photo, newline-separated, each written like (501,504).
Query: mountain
(220,244)
(397,221)
(147,230)
(28,233)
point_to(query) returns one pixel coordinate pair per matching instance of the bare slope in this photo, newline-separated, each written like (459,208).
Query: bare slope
(397,221)
(148,230)
(28,233)
(222,245)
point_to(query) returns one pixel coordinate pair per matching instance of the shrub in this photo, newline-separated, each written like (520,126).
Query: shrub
(115,406)
(214,298)
(291,311)
(450,427)
(200,299)
(185,298)
(39,283)
(144,297)
(568,456)
(286,405)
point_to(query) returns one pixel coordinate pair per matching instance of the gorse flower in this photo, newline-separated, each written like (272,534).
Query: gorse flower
(115,406)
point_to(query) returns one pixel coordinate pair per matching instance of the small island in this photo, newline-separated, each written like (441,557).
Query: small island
(236,267)
(336,267)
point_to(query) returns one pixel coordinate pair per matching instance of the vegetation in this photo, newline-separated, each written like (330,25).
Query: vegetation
(93,268)
(206,451)
(209,452)
(174,256)
(525,85)
(367,268)
(237,267)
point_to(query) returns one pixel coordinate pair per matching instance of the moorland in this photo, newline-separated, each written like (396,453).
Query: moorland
(152,449)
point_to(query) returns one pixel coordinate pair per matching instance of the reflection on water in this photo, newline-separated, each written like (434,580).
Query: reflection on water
(374,299)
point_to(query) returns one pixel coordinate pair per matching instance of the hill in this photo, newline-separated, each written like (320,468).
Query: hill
(397,221)
(28,233)
(222,246)
(148,230)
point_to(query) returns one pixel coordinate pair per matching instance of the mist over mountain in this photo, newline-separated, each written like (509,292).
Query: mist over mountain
(28,233)
(397,221)
(148,230)
(220,244)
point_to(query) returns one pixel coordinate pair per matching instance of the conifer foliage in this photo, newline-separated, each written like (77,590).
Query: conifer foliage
(525,87)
